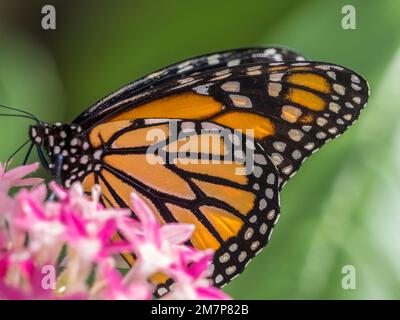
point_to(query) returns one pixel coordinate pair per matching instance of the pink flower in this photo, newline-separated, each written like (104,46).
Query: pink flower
(116,288)
(8,206)
(32,286)
(155,246)
(4,264)
(36,233)
(190,273)
(15,177)
(41,221)
(89,227)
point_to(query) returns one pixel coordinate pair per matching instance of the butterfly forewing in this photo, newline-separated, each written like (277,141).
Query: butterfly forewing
(179,70)
(293,108)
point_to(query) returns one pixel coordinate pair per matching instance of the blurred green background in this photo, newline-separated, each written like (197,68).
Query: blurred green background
(343,206)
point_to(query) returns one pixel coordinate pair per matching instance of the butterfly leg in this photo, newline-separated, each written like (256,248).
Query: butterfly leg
(58,168)
(28,154)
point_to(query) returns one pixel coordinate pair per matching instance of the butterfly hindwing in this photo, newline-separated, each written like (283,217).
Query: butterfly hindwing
(233,209)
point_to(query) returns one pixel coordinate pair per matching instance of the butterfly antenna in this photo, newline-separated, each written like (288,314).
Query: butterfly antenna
(15,152)
(32,116)
(18,116)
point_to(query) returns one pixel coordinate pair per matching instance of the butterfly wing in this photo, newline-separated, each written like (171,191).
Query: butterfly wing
(290,109)
(180,70)
(193,172)
(293,108)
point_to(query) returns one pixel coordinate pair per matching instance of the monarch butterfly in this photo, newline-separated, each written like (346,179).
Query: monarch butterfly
(279,105)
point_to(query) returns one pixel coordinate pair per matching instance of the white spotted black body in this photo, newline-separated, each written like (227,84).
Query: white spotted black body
(64,144)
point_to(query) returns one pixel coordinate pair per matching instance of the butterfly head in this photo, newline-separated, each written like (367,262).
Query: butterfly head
(59,146)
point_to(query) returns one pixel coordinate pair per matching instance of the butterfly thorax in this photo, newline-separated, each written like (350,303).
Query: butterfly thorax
(63,149)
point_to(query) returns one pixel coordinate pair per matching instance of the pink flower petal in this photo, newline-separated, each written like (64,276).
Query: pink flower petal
(199,268)
(15,177)
(28,182)
(146,217)
(58,190)
(142,210)
(19,172)
(176,233)
(4,265)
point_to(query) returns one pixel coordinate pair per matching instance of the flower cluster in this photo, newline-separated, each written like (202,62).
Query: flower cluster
(68,248)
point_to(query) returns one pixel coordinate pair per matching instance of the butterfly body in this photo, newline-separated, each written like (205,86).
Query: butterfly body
(263,106)
(62,144)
